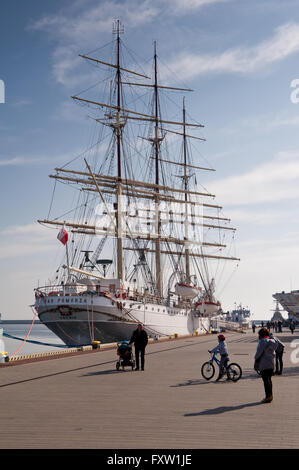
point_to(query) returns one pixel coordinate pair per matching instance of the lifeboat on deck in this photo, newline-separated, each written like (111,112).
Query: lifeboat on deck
(187,291)
(206,307)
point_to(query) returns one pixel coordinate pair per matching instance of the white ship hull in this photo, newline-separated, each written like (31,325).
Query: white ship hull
(79,319)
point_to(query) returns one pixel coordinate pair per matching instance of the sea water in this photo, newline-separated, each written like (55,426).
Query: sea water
(40,339)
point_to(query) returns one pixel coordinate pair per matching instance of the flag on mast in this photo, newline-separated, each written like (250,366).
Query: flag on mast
(63,236)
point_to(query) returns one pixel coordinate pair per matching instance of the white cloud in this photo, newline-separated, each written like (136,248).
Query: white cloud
(29,229)
(16,161)
(78,30)
(99,16)
(257,216)
(26,240)
(185,6)
(20,103)
(90,22)
(283,43)
(262,123)
(24,160)
(82,30)
(272,181)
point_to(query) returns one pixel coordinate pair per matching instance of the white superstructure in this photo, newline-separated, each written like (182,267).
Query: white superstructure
(289,302)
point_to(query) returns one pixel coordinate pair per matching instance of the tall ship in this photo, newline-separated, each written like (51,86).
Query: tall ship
(144,241)
(290,303)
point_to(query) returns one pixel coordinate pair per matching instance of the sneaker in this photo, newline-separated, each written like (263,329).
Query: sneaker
(136,368)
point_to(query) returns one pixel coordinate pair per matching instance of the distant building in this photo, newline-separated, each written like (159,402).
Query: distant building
(277,316)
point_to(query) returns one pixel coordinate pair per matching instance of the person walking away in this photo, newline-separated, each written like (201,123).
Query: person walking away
(292,326)
(253,326)
(140,340)
(279,326)
(264,361)
(275,326)
(221,348)
(278,355)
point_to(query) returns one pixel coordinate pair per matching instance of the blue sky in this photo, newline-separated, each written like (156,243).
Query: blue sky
(239,56)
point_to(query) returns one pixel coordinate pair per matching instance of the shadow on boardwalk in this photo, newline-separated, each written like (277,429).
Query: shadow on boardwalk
(223,409)
(103,372)
(248,374)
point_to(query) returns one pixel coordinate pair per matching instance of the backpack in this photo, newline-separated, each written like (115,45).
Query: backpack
(280,346)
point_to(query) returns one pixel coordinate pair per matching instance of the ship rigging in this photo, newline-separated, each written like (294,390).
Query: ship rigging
(157,225)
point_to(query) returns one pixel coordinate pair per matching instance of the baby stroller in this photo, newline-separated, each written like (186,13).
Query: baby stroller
(126,357)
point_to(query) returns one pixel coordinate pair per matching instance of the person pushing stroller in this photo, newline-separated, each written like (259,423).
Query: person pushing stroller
(140,340)
(221,348)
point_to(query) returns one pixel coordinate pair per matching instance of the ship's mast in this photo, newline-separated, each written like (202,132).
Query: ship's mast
(118,214)
(157,149)
(118,185)
(187,252)
(118,80)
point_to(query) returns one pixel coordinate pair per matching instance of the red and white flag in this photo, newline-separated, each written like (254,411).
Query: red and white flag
(63,236)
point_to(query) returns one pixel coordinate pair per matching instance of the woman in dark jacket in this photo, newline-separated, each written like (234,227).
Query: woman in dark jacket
(140,339)
(264,361)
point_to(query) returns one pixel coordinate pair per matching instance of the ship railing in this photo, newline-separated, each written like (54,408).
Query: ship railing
(69,290)
(75,290)
(224,324)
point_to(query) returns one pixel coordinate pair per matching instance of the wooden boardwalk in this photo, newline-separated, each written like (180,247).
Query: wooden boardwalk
(82,402)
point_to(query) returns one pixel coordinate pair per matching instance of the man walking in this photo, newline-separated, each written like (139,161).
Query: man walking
(140,339)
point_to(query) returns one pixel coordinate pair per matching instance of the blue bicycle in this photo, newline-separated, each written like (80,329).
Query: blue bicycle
(233,370)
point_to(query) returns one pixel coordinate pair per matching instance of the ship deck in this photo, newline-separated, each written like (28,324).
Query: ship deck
(80,401)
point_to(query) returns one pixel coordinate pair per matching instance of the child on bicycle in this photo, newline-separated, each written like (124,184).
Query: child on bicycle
(221,348)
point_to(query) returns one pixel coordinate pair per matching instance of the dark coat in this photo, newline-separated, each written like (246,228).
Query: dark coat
(139,338)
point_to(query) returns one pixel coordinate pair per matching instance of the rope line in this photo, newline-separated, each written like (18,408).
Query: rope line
(25,339)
